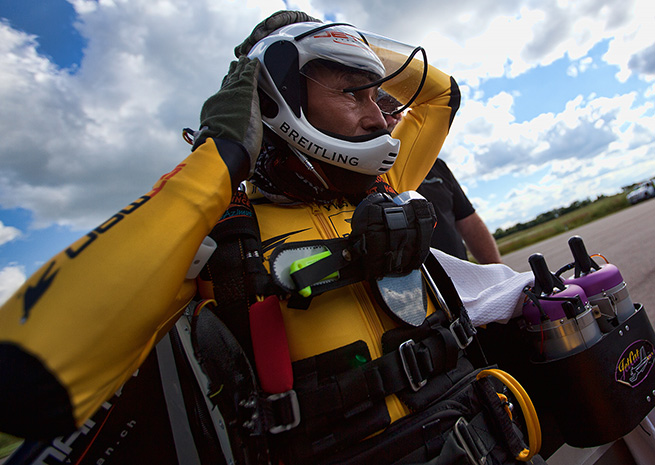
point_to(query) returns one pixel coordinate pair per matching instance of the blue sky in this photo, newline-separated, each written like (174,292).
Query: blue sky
(53,22)
(561,86)
(557,101)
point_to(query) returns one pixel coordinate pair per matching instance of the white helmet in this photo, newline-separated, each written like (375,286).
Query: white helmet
(286,51)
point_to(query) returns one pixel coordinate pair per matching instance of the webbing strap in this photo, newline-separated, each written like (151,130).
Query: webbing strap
(462,327)
(408,367)
(313,274)
(500,421)
(397,225)
(426,220)
(317,271)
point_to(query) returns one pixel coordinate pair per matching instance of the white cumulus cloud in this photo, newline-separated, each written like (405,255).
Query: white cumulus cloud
(11,278)
(8,233)
(80,143)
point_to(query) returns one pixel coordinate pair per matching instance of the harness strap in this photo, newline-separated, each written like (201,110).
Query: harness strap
(461,325)
(456,429)
(407,368)
(317,271)
(426,221)
(235,274)
(397,225)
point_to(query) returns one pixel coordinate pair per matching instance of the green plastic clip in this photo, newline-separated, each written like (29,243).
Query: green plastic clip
(303,262)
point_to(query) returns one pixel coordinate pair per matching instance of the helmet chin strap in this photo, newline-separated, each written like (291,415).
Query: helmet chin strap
(305,161)
(284,175)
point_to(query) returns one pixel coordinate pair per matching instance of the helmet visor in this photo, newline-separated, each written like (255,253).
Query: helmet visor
(403,67)
(406,70)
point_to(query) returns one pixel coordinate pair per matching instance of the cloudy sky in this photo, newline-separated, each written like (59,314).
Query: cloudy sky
(558,100)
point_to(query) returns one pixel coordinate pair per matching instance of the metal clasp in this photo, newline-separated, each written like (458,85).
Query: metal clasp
(459,332)
(292,398)
(410,365)
(466,441)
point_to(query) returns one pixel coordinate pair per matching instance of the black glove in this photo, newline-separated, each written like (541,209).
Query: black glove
(392,239)
(233,112)
(272,23)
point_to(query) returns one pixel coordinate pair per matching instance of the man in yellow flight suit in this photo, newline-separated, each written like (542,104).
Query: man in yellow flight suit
(297,115)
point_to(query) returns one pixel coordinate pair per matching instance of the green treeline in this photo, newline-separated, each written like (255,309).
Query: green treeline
(544,217)
(558,221)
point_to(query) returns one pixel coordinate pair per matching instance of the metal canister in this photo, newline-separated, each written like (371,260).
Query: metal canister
(562,323)
(603,285)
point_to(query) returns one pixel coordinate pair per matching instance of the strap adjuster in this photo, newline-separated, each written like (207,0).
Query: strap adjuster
(395,218)
(467,442)
(410,365)
(292,409)
(462,337)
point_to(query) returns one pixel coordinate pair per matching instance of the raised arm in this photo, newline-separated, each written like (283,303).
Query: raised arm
(423,130)
(83,323)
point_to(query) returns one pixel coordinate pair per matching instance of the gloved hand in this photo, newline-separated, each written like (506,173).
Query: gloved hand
(233,112)
(272,23)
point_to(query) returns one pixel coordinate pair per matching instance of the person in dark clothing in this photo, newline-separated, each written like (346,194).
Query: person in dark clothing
(458,225)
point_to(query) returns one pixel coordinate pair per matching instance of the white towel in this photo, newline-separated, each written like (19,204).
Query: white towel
(489,292)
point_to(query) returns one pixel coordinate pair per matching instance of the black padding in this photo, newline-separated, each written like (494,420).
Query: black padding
(33,404)
(393,239)
(230,374)
(455,100)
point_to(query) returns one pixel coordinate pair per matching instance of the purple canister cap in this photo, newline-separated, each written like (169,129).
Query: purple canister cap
(598,281)
(551,305)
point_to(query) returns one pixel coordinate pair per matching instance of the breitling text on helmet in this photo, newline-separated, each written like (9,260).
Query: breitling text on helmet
(340,38)
(316,149)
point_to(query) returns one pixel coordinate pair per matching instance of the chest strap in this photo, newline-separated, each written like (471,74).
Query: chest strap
(387,238)
(445,296)
(333,395)
(407,368)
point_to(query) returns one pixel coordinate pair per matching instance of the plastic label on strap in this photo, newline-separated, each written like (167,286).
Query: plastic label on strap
(205,251)
(303,262)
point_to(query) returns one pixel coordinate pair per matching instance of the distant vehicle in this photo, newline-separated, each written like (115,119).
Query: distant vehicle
(644,191)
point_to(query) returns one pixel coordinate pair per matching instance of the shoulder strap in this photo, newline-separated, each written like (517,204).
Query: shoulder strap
(234,275)
(443,290)
(445,296)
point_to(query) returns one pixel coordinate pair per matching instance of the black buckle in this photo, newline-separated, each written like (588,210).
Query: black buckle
(462,337)
(395,218)
(293,407)
(410,365)
(466,442)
